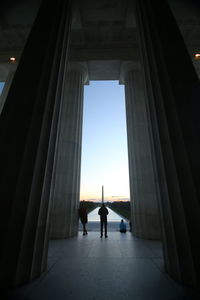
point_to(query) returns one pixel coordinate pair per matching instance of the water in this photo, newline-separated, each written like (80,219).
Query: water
(111,217)
(94,221)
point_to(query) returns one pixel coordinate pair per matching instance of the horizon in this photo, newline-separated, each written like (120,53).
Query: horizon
(104,201)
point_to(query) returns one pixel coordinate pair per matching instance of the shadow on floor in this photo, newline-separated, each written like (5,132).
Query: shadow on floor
(119,267)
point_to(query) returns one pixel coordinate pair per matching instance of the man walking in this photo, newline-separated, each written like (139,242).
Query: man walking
(103,212)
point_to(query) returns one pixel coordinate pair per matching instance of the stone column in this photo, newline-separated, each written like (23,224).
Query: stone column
(10,71)
(66,185)
(173,95)
(28,124)
(144,202)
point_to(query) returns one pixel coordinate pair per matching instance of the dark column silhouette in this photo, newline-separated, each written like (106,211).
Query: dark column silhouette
(27,138)
(174,109)
(66,173)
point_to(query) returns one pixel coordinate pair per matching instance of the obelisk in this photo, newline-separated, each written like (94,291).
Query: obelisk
(102,194)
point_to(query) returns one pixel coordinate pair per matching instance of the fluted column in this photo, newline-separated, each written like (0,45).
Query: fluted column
(28,124)
(66,186)
(144,198)
(173,96)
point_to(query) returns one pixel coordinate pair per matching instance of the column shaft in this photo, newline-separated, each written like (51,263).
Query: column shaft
(173,94)
(66,189)
(27,134)
(145,215)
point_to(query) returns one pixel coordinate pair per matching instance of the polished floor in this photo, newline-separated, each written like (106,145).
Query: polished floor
(119,267)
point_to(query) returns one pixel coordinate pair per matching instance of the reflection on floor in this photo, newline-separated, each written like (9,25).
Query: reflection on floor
(119,267)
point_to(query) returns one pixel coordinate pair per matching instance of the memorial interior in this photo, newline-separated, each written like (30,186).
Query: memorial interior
(48,52)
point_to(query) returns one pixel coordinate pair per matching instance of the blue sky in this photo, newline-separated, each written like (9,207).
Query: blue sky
(104,148)
(1,86)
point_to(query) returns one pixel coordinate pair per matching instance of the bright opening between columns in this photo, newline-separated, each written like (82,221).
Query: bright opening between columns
(104,143)
(1,87)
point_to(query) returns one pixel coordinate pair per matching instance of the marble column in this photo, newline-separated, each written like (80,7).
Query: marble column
(66,183)
(143,192)
(28,124)
(173,94)
(9,70)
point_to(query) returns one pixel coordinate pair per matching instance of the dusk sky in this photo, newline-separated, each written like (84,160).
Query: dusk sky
(104,147)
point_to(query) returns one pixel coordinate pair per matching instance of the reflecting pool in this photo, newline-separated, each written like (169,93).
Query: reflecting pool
(112,216)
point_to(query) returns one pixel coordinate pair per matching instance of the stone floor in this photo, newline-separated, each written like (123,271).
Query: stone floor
(119,267)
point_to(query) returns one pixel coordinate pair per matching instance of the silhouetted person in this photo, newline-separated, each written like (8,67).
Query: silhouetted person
(130,225)
(82,212)
(103,212)
(122,226)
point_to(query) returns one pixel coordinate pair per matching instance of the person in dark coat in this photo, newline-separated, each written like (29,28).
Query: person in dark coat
(103,212)
(82,212)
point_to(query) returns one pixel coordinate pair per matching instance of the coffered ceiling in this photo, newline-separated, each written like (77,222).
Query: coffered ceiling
(103,32)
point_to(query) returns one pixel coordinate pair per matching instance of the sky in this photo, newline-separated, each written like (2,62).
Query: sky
(1,86)
(104,143)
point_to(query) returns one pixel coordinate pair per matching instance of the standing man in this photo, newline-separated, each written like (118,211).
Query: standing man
(82,212)
(103,212)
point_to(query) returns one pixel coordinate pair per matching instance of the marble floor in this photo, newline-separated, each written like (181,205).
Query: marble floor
(119,267)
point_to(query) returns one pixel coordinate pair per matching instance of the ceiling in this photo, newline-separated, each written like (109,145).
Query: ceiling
(103,32)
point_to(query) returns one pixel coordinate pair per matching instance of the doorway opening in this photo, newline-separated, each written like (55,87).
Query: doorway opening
(2,99)
(1,87)
(104,150)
